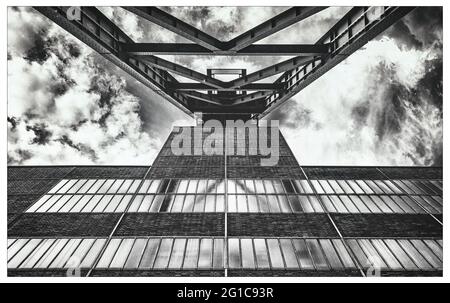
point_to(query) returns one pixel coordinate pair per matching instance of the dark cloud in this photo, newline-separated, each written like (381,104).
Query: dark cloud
(42,134)
(84,149)
(13,121)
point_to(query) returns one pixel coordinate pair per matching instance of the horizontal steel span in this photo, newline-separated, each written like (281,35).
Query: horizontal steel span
(307,63)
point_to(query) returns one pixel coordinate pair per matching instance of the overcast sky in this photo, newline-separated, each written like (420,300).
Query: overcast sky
(68,105)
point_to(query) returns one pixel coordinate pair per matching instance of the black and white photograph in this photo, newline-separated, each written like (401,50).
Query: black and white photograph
(220,142)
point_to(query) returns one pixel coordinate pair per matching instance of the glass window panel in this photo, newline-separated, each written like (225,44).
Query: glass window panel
(153,189)
(336,188)
(234,256)
(269,187)
(337,203)
(57,186)
(182,187)
(306,188)
(221,187)
(78,255)
(220,203)
(374,259)
(404,206)
(431,205)
(259,186)
(412,204)
(192,188)
(136,253)
(86,186)
(38,204)
(262,258)
(15,246)
(91,204)
(109,253)
(156,204)
(288,253)
(148,257)
(101,205)
(134,186)
(67,186)
(430,188)
(79,206)
(284,204)
(205,255)
(403,186)
(232,206)
(315,204)
(166,205)
(240,186)
(76,186)
(218,254)
(37,253)
(93,189)
(176,258)
(51,254)
(172,186)
(263,204)
(191,255)
(394,188)
(374,187)
(302,253)
(241,202)
(362,184)
(288,187)
(349,204)
(386,254)
(420,190)
(210,203)
(201,188)
(355,187)
(435,247)
(278,186)
(123,203)
(275,254)
(359,253)
(104,188)
(326,187)
(64,255)
(91,256)
(380,204)
(306,206)
(231,187)
(273,204)
(295,203)
(250,186)
(61,202)
(178,203)
(188,205)
(49,203)
(359,204)
(426,252)
(146,203)
(370,204)
(211,188)
(248,260)
(199,204)
(317,186)
(162,259)
(331,254)
(317,254)
(252,204)
(70,204)
(144,187)
(343,253)
(391,204)
(400,254)
(345,187)
(125,186)
(136,203)
(328,204)
(412,252)
(115,186)
(383,186)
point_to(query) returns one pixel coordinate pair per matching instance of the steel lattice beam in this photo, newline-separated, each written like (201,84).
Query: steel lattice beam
(140,49)
(354,30)
(181,86)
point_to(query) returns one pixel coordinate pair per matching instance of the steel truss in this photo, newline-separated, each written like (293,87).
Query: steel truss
(246,92)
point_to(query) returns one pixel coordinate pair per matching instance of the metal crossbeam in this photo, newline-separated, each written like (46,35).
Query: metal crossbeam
(354,30)
(251,50)
(177,26)
(271,26)
(181,86)
(103,36)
